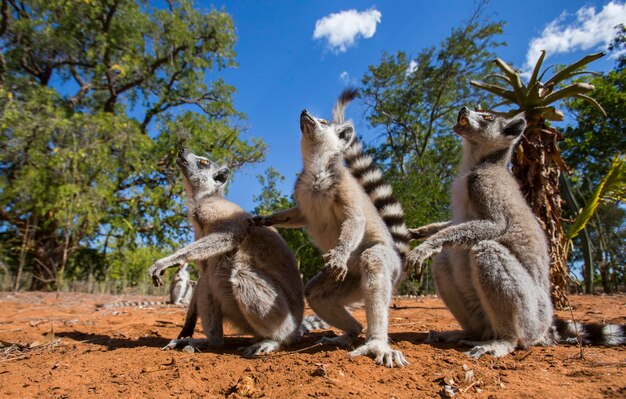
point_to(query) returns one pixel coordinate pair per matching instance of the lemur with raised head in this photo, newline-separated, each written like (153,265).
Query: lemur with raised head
(492,265)
(361,260)
(247,274)
(181,288)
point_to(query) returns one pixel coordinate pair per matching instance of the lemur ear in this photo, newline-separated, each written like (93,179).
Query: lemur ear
(346,134)
(515,127)
(221,175)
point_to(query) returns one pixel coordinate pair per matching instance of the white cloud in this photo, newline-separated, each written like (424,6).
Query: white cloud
(342,29)
(589,30)
(344,77)
(412,67)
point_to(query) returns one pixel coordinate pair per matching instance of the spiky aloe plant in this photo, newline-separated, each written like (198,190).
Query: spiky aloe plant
(537,163)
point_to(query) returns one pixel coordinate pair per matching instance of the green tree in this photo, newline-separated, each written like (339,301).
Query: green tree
(93,169)
(414,101)
(588,146)
(271,200)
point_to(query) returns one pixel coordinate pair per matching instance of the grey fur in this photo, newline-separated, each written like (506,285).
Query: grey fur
(358,249)
(247,274)
(492,271)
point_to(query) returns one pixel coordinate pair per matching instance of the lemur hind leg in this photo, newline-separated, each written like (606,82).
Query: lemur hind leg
(264,308)
(452,276)
(328,298)
(378,264)
(511,298)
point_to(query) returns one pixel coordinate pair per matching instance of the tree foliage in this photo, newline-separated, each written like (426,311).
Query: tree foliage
(588,146)
(90,169)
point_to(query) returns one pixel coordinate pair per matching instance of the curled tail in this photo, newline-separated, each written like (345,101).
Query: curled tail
(370,177)
(589,333)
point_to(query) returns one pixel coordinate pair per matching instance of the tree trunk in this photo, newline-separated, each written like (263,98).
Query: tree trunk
(48,254)
(537,166)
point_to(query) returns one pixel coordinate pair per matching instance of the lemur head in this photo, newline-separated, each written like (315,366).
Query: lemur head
(201,176)
(487,133)
(326,136)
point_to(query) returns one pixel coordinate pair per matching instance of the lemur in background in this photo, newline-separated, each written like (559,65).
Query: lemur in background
(361,259)
(492,265)
(247,274)
(181,289)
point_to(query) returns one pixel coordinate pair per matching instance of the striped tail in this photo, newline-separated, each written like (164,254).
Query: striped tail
(362,167)
(589,333)
(131,304)
(310,323)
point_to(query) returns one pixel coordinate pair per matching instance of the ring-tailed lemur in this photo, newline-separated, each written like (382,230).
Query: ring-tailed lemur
(492,264)
(247,274)
(181,289)
(361,260)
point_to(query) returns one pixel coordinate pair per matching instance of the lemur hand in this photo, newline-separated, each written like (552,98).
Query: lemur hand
(415,259)
(156,271)
(261,221)
(336,262)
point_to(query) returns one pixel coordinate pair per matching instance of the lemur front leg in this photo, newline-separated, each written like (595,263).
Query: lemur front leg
(208,246)
(350,236)
(460,235)
(290,218)
(428,230)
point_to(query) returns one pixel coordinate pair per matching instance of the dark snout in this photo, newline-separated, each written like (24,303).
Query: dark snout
(306,121)
(182,161)
(462,120)
(463,116)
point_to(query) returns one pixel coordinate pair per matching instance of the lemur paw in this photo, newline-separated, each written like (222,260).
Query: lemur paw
(496,348)
(416,258)
(344,340)
(156,271)
(382,353)
(261,221)
(418,233)
(262,348)
(336,263)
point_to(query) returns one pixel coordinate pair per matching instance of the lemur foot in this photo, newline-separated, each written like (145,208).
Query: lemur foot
(446,337)
(496,348)
(382,352)
(345,341)
(261,348)
(194,344)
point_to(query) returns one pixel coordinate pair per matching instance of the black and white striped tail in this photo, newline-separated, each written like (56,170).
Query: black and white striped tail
(131,304)
(362,167)
(589,333)
(310,323)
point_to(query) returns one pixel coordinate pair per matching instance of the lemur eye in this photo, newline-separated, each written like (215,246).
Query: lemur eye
(488,117)
(203,162)
(324,121)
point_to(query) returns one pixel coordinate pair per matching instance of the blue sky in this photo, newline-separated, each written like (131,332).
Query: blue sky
(283,69)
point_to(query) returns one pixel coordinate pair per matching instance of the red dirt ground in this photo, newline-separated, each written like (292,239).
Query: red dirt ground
(70,350)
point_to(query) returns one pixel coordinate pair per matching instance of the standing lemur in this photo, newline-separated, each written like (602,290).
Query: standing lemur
(247,274)
(361,259)
(492,264)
